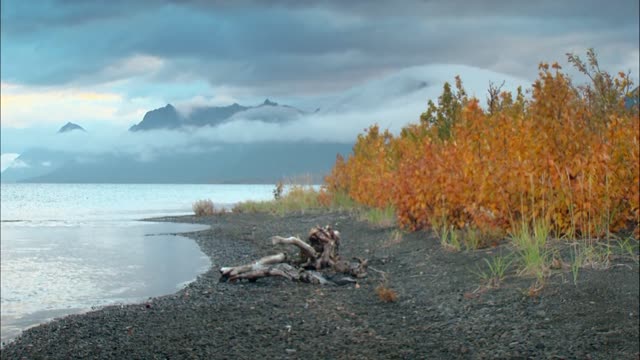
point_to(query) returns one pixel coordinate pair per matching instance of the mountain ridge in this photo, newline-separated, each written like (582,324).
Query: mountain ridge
(168,117)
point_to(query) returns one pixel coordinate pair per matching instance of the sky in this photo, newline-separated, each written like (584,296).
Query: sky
(103,64)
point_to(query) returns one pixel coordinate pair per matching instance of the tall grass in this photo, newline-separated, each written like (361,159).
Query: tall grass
(629,247)
(577,261)
(340,200)
(295,198)
(531,244)
(385,217)
(302,198)
(446,233)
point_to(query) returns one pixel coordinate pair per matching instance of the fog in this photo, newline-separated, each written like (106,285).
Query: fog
(391,102)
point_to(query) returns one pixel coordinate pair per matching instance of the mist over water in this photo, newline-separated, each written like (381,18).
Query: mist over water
(69,248)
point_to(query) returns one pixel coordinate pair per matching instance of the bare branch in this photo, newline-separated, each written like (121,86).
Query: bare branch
(309,251)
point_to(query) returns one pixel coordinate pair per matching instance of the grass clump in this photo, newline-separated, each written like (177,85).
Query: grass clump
(203,207)
(577,261)
(394,238)
(496,270)
(471,238)
(385,217)
(339,200)
(447,234)
(531,244)
(628,247)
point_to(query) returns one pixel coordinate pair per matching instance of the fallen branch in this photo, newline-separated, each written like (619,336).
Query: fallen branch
(319,262)
(305,248)
(267,260)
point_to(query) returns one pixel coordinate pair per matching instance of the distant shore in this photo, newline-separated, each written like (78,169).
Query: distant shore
(441,311)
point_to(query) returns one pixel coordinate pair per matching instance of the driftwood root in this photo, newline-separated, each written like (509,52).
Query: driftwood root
(318,263)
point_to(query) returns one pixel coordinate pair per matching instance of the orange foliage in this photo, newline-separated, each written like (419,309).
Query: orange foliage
(560,156)
(370,169)
(386,294)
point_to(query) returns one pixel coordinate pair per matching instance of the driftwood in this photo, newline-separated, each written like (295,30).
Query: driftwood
(318,263)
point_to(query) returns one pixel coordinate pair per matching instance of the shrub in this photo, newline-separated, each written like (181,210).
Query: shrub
(571,151)
(203,208)
(386,294)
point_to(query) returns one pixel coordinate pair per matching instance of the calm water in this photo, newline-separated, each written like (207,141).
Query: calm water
(69,247)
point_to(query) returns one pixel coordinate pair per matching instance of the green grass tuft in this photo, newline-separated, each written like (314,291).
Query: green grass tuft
(531,244)
(496,270)
(379,217)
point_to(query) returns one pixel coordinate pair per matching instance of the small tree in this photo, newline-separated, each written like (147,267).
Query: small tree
(448,111)
(605,93)
(278,190)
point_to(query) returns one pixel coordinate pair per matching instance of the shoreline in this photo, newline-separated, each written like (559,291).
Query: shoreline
(115,281)
(439,314)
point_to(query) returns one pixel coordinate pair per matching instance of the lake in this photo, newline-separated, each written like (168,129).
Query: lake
(68,248)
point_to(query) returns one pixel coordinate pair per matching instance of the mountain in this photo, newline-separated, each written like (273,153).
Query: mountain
(68,127)
(39,161)
(213,116)
(169,118)
(254,163)
(34,163)
(162,118)
(243,144)
(149,160)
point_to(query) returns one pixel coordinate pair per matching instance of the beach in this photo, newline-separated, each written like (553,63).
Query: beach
(441,311)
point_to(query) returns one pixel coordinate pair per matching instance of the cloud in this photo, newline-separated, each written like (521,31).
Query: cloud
(285,47)
(391,101)
(6,160)
(130,67)
(185,107)
(24,106)
(17,163)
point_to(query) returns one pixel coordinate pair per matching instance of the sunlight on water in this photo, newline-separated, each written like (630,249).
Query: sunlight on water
(68,248)
(78,202)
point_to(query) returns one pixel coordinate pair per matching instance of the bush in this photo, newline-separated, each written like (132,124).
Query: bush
(386,294)
(203,208)
(566,155)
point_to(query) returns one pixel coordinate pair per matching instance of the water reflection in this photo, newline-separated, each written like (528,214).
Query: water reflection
(49,271)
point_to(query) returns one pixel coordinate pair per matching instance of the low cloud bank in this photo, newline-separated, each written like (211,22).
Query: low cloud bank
(391,102)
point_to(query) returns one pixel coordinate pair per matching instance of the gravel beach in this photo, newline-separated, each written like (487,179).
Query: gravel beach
(440,312)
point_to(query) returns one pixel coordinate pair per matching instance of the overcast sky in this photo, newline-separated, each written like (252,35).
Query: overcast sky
(111,61)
